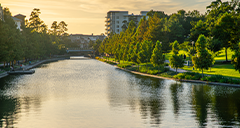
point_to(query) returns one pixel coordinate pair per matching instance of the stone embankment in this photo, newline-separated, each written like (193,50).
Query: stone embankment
(27,67)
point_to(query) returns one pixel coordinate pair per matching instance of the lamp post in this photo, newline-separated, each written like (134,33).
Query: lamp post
(193,50)
(193,47)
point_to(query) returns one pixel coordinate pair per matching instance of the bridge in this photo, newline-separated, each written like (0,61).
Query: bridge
(79,50)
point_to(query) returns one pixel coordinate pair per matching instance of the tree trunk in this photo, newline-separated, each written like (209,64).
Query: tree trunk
(202,73)
(138,67)
(4,64)
(226,53)
(158,69)
(176,70)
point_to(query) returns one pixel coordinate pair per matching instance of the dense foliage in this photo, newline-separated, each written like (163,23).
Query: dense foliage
(33,41)
(219,25)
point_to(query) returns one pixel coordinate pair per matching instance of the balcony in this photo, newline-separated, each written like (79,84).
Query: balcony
(108,24)
(107,20)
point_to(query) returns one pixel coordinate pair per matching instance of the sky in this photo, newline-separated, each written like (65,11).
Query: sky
(88,16)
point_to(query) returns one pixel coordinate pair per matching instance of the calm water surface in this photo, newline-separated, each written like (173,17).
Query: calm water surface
(92,94)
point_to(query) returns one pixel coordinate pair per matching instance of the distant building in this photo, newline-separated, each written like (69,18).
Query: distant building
(116,19)
(83,40)
(1,13)
(19,20)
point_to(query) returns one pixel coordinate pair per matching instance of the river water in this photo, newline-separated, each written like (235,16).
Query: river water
(79,93)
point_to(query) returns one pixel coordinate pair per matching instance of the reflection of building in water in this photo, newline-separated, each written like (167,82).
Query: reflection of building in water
(84,40)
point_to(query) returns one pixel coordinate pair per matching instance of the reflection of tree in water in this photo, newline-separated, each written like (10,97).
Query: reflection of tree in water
(201,98)
(12,106)
(227,106)
(176,88)
(137,90)
(152,100)
(9,109)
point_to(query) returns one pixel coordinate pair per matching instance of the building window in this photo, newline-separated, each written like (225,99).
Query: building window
(117,17)
(117,22)
(117,26)
(117,30)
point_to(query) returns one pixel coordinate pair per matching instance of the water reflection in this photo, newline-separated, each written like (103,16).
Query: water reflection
(101,93)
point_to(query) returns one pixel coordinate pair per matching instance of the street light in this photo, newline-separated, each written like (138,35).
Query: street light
(193,47)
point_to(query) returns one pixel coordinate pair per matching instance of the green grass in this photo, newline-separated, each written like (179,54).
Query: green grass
(224,70)
(220,57)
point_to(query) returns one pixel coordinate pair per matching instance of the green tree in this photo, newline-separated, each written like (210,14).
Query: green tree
(176,61)
(157,58)
(204,59)
(236,59)
(225,30)
(143,53)
(134,54)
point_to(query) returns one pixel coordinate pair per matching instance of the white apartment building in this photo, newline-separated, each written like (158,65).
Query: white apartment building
(115,20)
(83,40)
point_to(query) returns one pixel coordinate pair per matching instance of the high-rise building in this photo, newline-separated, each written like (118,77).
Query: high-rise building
(116,19)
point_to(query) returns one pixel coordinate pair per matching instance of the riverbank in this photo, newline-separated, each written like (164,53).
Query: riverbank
(35,64)
(181,80)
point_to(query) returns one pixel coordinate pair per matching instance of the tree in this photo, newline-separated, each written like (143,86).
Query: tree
(203,59)
(157,58)
(141,30)
(134,54)
(143,53)
(176,61)
(236,59)
(225,31)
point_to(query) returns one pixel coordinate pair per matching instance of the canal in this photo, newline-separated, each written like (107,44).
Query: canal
(91,94)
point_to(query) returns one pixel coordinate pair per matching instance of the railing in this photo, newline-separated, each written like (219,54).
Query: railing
(79,49)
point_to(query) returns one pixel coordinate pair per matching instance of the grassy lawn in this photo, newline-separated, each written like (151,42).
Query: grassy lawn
(220,57)
(224,70)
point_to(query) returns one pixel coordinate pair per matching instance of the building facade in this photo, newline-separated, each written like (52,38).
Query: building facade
(1,13)
(116,19)
(19,20)
(84,40)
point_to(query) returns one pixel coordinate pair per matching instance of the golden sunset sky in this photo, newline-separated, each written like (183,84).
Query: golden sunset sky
(88,16)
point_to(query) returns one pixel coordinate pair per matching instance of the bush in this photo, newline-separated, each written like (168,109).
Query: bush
(124,65)
(179,76)
(188,77)
(152,72)
(204,78)
(166,69)
(166,64)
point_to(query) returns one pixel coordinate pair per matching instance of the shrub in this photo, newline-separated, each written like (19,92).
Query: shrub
(188,77)
(179,76)
(124,65)
(166,64)
(152,72)
(166,69)
(204,78)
